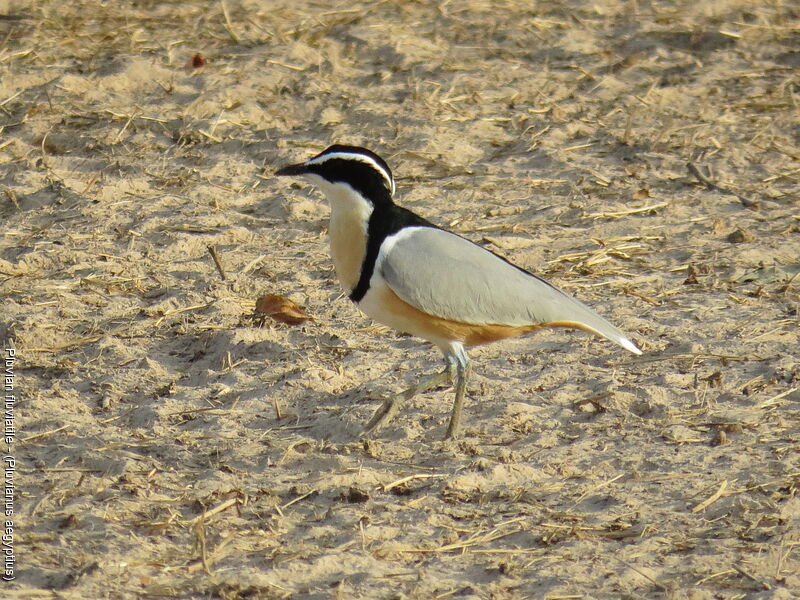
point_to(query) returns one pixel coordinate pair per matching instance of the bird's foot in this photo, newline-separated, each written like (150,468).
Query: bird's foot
(382,416)
(391,405)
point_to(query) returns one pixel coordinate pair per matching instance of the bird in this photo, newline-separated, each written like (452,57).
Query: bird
(405,272)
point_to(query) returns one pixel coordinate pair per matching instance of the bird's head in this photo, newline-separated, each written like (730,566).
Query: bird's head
(347,173)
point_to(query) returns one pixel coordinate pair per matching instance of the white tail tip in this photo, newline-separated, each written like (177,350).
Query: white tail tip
(629,345)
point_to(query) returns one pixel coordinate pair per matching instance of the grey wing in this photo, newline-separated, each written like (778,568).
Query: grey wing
(450,277)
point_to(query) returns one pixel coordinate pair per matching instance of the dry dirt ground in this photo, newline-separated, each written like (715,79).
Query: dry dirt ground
(169,447)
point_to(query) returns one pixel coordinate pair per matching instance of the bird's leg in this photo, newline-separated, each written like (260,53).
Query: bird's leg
(389,408)
(463,369)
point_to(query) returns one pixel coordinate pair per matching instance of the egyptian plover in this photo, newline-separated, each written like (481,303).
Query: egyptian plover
(405,272)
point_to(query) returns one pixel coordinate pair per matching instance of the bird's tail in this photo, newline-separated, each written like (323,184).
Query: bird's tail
(566,311)
(593,323)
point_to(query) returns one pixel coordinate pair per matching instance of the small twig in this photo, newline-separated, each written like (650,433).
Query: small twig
(399,482)
(207,561)
(228,25)
(712,498)
(594,401)
(200,541)
(39,503)
(714,576)
(686,355)
(474,539)
(215,257)
(298,499)
(593,489)
(770,401)
(631,292)
(12,197)
(624,213)
(764,585)
(713,186)
(194,411)
(642,573)
(780,176)
(578,147)
(125,127)
(43,433)
(219,508)
(253,264)
(170,313)
(10,98)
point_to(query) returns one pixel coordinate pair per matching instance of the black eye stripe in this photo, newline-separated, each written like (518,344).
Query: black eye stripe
(361,176)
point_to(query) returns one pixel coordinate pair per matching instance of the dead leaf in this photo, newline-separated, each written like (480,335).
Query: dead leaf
(281,309)
(196,62)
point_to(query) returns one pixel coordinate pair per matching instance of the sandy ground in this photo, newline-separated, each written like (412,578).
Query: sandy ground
(170,448)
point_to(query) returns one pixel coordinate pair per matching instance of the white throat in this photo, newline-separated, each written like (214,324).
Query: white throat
(350,213)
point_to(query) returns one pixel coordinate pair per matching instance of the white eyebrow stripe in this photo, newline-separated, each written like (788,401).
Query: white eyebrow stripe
(354,156)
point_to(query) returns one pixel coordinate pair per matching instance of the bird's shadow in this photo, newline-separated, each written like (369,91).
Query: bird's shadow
(340,418)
